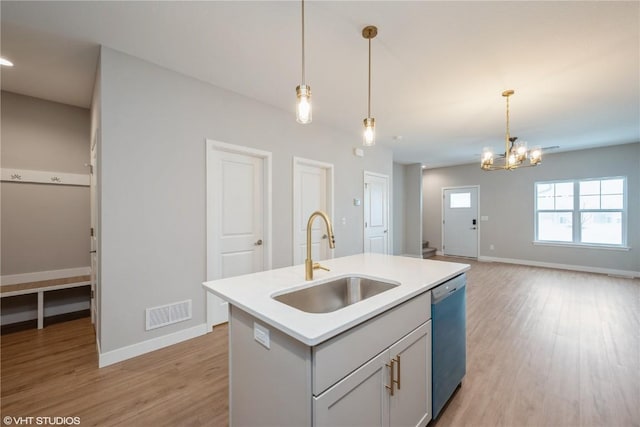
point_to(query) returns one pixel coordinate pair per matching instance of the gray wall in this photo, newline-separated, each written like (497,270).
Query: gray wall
(154,125)
(413,209)
(407,209)
(44,227)
(507,198)
(398,209)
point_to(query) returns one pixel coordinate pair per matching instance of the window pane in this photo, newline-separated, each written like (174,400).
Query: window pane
(564,195)
(544,190)
(460,200)
(545,203)
(589,202)
(612,186)
(589,187)
(564,189)
(555,226)
(612,202)
(564,202)
(601,227)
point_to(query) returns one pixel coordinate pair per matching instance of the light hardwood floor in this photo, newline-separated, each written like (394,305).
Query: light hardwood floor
(544,348)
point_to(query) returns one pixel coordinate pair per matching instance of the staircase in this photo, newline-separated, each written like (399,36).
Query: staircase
(427,252)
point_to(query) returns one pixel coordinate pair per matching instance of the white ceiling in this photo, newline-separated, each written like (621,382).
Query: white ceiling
(439,68)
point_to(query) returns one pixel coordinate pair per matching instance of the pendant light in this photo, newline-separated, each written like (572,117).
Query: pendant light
(369,139)
(303,91)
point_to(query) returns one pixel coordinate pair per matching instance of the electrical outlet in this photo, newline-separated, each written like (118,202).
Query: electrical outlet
(261,334)
(491,247)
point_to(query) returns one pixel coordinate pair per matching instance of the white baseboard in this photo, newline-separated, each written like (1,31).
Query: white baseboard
(128,352)
(585,268)
(438,252)
(37,276)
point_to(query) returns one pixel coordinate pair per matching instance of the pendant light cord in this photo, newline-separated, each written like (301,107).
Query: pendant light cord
(303,81)
(369,100)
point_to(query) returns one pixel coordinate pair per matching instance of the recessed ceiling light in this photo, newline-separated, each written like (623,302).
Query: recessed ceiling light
(5,62)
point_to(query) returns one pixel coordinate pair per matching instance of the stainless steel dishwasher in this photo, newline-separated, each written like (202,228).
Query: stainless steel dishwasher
(449,339)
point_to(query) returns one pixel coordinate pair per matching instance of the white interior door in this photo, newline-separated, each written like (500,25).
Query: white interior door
(93,191)
(460,221)
(238,217)
(312,191)
(376,213)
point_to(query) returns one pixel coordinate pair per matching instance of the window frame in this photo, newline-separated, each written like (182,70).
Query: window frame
(576,212)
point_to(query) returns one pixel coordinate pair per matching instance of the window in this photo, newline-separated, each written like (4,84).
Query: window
(590,211)
(460,200)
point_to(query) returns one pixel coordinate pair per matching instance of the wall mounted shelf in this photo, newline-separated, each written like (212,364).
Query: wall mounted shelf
(45,177)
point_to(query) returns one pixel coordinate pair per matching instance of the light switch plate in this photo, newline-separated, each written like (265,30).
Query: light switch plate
(484,218)
(261,334)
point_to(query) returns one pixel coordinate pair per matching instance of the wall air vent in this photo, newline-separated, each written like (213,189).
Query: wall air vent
(164,315)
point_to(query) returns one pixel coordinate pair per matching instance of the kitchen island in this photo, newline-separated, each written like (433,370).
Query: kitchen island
(367,363)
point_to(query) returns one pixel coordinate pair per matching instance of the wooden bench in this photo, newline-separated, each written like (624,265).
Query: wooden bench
(41,287)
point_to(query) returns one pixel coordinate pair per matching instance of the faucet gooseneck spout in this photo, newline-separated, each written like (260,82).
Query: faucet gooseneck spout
(309,266)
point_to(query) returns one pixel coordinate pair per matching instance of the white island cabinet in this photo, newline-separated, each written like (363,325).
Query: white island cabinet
(367,364)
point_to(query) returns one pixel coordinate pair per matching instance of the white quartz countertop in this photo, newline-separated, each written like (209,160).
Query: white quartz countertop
(253,292)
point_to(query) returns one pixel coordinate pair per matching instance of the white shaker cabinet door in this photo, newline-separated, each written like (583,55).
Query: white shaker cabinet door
(410,404)
(360,399)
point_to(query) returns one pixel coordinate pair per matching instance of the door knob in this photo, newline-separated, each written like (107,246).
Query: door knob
(386,231)
(258,243)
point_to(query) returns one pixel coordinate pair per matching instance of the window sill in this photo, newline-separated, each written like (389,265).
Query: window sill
(583,246)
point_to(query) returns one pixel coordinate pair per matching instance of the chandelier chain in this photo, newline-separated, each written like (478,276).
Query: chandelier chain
(508,132)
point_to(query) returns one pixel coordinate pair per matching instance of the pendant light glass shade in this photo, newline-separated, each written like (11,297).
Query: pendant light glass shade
(303,91)
(369,132)
(303,104)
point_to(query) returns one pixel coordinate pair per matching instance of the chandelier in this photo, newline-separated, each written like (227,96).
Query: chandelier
(515,153)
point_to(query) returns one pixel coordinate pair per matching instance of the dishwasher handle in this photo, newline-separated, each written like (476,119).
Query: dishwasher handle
(448,288)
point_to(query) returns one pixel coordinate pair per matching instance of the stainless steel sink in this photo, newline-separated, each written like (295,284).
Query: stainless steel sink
(335,294)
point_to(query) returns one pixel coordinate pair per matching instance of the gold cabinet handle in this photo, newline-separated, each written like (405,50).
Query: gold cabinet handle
(391,380)
(398,360)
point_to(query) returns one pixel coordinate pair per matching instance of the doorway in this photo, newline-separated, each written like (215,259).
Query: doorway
(312,191)
(460,221)
(376,213)
(238,216)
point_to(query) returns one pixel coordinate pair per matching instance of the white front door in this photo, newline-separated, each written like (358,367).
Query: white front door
(460,222)
(312,191)
(238,217)
(376,213)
